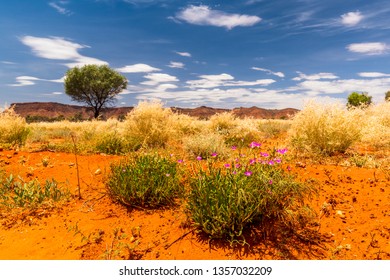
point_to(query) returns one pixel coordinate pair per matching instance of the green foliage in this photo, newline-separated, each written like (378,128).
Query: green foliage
(146,181)
(226,200)
(112,144)
(95,85)
(18,193)
(387,96)
(356,99)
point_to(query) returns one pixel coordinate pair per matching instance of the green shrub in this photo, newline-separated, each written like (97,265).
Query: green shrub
(112,144)
(356,99)
(13,129)
(146,181)
(225,200)
(326,129)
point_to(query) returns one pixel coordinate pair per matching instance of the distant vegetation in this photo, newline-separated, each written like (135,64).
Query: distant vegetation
(356,99)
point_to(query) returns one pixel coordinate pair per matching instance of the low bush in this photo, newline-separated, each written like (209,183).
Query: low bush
(146,181)
(225,200)
(16,193)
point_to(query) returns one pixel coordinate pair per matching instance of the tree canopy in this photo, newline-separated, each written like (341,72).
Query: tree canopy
(95,85)
(356,99)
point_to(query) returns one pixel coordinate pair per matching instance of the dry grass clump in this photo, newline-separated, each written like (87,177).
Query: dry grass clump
(273,128)
(13,128)
(326,129)
(223,123)
(149,125)
(204,145)
(376,132)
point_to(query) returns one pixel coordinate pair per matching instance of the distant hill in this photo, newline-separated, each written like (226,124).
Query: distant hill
(53,110)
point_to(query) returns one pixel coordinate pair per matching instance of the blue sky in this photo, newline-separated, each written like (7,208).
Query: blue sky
(225,54)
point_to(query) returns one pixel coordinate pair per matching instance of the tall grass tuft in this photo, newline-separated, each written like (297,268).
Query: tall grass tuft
(326,129)
(13,129)
(149,125)
(146,181)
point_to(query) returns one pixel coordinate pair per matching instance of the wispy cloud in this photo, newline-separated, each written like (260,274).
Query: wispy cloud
(60,9)
(203,15)
(351,18)
(225,80)
(8,62)
(315,77)
(59,48)
(278,74)
(137,68)
(185,54)
(173,64)
(22,81)
(373,75)
(374,48)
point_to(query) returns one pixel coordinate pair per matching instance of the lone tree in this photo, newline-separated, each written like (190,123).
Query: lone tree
(95,85)
(356,99)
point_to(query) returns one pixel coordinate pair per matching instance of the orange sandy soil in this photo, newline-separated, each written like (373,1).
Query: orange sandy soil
(353,221)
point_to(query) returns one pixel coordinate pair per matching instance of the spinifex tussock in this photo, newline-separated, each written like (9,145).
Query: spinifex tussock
(13,128)
(225,200)
(145,181)
(149,125)
(326,129)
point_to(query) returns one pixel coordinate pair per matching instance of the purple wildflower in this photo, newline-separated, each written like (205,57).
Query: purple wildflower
(271,162)
(234,148)
(252,161)
(227,165)
(264,154)
(248,173)
(238,165)
(270,182)
(180,161)
(199,158)
(214,154)
(282,151)
(277,160)
(254,144)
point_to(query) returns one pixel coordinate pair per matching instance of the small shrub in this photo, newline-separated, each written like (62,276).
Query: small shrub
(147,181)
(112,144)
(18,193)
(149,125)
(13,129)
(326,129)
(356,99)
(225,200)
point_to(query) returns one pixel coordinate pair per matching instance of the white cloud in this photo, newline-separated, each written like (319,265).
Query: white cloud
(351,18)
(173,64)
(375,87)
(137,68)
(374,48)
(60,9)
(158,78)
(225,80)
(373,75)
(59,49)
(8,62)
(203,15)
(56,93)
(22,81)
(279,74)
(314,77)
(185,54)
